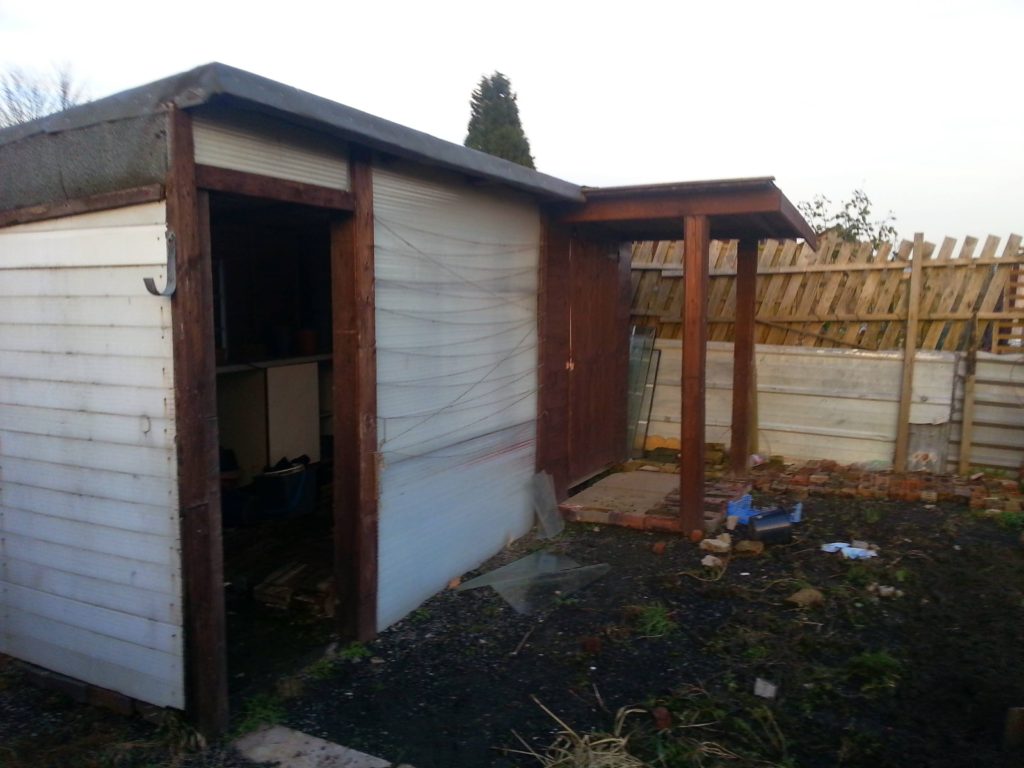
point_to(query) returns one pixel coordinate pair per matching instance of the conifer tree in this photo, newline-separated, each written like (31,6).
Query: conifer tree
(494,125)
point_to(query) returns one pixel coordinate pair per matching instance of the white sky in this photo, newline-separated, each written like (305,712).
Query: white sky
(918,103)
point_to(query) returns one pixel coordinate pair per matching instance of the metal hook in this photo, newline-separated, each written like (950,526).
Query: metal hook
(172,270)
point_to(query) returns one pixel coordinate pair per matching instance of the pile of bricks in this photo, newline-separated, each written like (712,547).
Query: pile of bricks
(828,478)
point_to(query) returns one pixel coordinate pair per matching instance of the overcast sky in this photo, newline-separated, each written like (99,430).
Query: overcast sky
(918,103)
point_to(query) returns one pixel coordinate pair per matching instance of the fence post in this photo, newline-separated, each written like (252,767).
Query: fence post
(909,350)
(967,412)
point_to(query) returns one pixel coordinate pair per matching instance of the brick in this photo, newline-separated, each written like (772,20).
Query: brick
(663,524)
(627,520)
(597,516)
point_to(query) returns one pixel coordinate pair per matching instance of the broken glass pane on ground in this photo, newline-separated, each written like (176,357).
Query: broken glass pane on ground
(537,581)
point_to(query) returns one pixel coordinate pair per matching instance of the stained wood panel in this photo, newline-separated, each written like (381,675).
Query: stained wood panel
(599,356)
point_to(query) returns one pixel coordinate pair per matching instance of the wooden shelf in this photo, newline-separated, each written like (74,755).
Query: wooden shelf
(261,365)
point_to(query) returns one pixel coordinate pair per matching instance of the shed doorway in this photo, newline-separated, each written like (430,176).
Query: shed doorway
(272,323)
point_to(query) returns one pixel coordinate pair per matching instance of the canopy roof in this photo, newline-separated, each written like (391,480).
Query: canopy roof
(751,208)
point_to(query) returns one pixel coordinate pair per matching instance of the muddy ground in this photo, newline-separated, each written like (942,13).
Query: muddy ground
(923,677)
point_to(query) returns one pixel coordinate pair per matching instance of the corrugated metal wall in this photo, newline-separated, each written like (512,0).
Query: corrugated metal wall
(812,403)
(90,582)
(268,147)
(456,274)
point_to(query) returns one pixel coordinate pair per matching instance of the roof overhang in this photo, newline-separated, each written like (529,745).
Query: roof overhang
(736,208)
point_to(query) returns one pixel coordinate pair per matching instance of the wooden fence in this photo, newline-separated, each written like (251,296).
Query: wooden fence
(849,295)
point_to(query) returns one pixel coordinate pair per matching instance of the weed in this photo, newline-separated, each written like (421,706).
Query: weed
(872,515)
(712,732)
(419,615)
(1012,520)
(262,709)
(860,575)
(756,653)
(321,669)
(354,652)
(654,620)
(876,671)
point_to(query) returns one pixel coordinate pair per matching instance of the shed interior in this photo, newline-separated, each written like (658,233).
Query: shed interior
(272,332)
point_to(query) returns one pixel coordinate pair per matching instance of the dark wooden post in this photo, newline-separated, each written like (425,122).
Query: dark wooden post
(202,552)
(695,324)
(355,408)
(743,386)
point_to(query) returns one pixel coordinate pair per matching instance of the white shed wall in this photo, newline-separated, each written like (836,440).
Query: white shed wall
(90,579)
(456,297)
(268,147)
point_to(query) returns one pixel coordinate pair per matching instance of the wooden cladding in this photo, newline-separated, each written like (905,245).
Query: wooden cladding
(844,295)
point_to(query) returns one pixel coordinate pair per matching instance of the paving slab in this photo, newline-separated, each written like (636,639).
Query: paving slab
(293,749)
(631,492)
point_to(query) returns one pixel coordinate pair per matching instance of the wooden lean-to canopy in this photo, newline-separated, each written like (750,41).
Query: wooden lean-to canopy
(747,210)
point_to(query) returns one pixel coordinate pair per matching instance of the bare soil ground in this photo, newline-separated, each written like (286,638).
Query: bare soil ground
(923,678)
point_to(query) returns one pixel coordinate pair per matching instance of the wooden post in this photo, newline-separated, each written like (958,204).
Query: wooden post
(695,327)
(744,393)
(355,409)
(195,395)
(909,350)
(967,419)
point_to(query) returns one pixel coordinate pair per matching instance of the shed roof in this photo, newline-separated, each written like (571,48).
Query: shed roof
(752,207)
(221,83)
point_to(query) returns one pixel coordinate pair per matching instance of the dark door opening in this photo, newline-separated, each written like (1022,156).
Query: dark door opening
(272,286)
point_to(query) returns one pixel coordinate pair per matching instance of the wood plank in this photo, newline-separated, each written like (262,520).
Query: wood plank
(148,405)
(106,341)
(744,392)
(157,606)
(695,315)
(188,213)
(82,425)
(944,303)
(270,188)
(94,565)
(148,676)
(909,353)
(85,369)
(39,247)
(104,201)
(356,491)
(91,452)
(633,208)
(94,510)
(101,483)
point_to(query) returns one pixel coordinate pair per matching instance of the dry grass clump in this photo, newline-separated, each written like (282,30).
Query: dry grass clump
(588,750)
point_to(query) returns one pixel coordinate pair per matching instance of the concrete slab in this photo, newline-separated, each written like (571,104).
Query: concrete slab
(294,749)
(628,492)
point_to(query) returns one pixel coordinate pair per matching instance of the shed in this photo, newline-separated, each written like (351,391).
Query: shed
(216,260)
